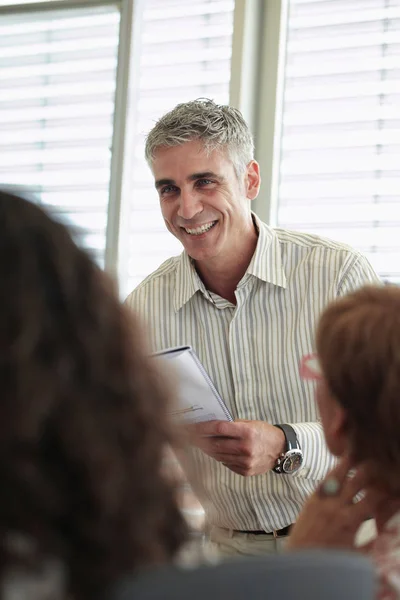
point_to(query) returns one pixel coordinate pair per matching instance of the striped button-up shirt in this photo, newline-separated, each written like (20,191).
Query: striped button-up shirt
(252,351)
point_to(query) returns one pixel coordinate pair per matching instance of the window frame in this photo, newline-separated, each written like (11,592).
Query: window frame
(260,106)
(270,129)
(248,33)
(127,10)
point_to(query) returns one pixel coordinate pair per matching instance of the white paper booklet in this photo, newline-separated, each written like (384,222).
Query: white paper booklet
(198,399)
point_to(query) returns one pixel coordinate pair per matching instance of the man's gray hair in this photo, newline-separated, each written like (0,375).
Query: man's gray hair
(217,126)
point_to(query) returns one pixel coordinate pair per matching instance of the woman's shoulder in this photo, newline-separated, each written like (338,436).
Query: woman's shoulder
(385,552)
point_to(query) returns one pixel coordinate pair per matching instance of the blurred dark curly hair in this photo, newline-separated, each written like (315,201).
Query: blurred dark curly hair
(83,412)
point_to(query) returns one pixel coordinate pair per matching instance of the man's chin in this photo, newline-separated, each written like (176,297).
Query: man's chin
(200,255)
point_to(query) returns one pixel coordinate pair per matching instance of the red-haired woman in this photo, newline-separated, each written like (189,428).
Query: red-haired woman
(357,370)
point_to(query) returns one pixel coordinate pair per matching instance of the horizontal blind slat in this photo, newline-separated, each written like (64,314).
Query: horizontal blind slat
(57,79)
(344,17)
(186,50)
(340,150)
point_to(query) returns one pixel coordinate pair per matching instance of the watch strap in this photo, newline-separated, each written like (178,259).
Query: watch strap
(292,443)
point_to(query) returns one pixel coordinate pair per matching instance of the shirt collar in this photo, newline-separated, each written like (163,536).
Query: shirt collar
(265,264)
(187,281)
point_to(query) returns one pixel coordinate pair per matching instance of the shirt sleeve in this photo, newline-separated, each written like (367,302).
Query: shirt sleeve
(357,272)
(317,460)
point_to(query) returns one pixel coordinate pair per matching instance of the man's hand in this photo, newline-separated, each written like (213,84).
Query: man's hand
(245,447)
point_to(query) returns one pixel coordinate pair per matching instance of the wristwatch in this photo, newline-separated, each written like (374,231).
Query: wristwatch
(291,460)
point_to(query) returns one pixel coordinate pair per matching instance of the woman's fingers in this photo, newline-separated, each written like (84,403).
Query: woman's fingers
(369,503)
(354,484)
(341,470)
(345,480)
(333,483)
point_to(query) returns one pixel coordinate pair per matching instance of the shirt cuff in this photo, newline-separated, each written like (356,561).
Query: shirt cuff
(317,460)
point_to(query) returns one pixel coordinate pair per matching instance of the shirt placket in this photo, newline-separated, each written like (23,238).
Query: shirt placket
(239,340)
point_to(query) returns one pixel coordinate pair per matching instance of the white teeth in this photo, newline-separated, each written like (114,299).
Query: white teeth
(201,229)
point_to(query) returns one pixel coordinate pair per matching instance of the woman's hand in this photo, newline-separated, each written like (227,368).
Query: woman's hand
(331,517)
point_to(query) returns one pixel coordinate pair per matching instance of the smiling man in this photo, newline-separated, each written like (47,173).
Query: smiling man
(246,297)
(207,208)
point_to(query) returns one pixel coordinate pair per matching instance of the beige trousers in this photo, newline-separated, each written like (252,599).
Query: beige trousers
(233,543)
(227,542)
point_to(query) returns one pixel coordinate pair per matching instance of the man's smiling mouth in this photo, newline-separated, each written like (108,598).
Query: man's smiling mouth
(201,229)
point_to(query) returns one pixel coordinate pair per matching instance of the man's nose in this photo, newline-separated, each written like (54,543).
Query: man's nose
(189,205)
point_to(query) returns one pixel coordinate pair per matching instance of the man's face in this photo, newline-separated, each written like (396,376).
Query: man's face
(202,201)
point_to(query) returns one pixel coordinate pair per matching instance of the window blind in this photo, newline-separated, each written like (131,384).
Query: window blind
(57,86)
(339,170)
(185,53)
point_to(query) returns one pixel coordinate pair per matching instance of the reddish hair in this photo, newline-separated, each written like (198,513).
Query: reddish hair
(358,343)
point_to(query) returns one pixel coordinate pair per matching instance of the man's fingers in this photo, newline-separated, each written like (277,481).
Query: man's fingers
(215,428)
(220,450)
(225,445)
(236,469)
(202,429)
(230,459)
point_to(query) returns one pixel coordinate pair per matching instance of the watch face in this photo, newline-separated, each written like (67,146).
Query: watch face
(292,462)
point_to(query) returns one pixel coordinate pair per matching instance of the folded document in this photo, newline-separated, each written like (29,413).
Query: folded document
(198,399)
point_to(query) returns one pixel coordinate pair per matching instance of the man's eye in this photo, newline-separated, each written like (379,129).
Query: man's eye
(204,182)
(168,189)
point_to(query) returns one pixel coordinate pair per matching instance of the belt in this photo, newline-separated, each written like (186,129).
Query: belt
(276,532)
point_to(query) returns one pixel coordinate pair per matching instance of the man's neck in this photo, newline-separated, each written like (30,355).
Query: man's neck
(222,277)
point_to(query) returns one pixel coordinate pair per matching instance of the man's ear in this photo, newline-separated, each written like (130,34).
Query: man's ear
(252,180)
